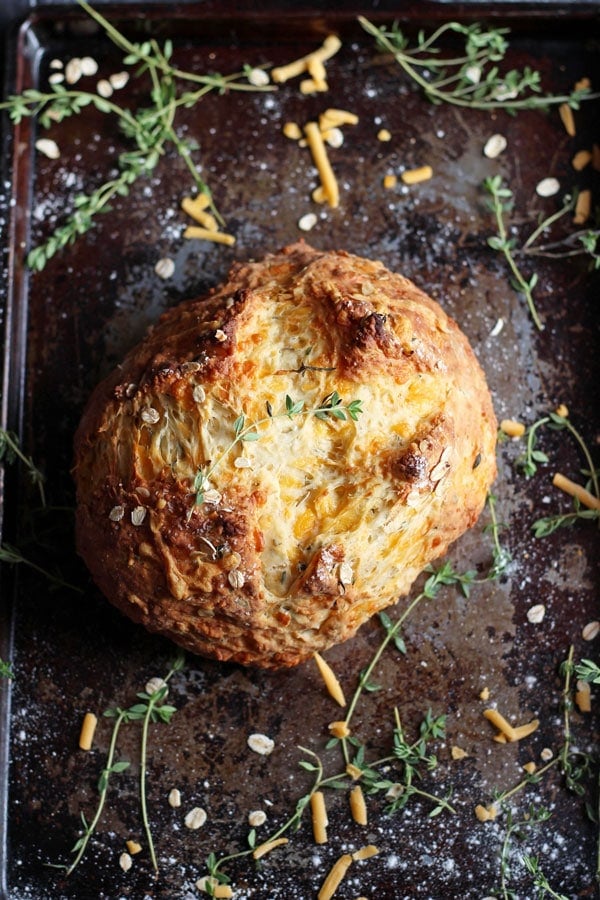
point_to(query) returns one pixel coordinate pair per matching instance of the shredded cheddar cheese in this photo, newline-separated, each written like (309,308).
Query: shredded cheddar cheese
(416,176)
(583,207)
(292,131)
(566,116)
(358,807)
(319,817)
(329,48)
(583,697)
(508,731)
(365,852)
(265,848)
(88,729)
(133,847)
(321,161)
(530,767)
(581,159)
(576,490)
(333,686)
(511,428)
(333,118)
(339,729)
(335,877)
(390,181)
(206,234)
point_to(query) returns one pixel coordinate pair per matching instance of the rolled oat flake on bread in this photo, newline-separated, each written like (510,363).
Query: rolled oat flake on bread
(303,440)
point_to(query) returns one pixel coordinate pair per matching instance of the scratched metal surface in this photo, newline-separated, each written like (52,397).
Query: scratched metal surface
(69,325)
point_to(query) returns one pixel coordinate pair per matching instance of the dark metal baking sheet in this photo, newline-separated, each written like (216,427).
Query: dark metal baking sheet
(68,325)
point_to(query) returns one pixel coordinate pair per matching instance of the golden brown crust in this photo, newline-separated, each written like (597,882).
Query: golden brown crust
(307,530)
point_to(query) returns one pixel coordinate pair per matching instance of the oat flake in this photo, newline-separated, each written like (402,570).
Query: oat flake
(116,513)
(494,146)
(165,267)
(590,631)
(257,818)
(261,744)
(195,818)
(48,147)
(118,80)
(536,613)
(199,394)
(547,187)
(236,579)
(155,684)
(307,222)
(125,861)
(174,798)
(89,66)
(138,515)
(150,415)
(258,77)
(104,88)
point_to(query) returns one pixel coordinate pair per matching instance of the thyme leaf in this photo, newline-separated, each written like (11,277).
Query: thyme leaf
(472,78)
(151,129)
(331,407)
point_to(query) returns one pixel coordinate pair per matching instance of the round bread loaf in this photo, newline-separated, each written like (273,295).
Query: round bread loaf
(277,461)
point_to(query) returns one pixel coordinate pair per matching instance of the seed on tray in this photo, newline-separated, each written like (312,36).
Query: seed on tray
(73,70)
(307,222)
(548,187)
(56,78)
(261,744)
(138,515)
(104,88)
(195,818)
(494,146)
(56,64)
(536,613)
(256,818)
(48,147)
(590,631)
(546,754)
(118,80)
(174,798)
(125,861)
(155,684)
(258,77)
(165,267)
(89,66)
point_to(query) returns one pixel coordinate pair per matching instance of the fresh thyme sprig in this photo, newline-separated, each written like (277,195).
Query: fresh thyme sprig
(151,709)
(12,556)
(574,764)
(577,243)
(10,451)
(517,829)
(473,78)
(331,407)
(588,670)
(151,129)
(501,204)
(6,670)
(529,461)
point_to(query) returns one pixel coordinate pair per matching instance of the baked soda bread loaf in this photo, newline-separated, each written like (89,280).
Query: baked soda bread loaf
(277,461)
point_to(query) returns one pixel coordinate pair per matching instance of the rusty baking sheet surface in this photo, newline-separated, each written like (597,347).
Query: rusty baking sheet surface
(73,653)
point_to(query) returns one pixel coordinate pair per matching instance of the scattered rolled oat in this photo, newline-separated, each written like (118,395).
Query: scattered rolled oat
(220,335)
(165,267)
(125,861)
(261,744)
(56,78)
(257,818)
(155,684)
(174,798)
(212,496)
(546,754)
(138,515)
(56,64)
(48,147)
(104,88)
(334,137)
(73,70)
(236,579)
(150,416)
(195,818)
(242,462)
(590,631)
(497,328)
(199,394)
(89,66)
(306,222)
(118,80)
(258,77)
(116,513)
(547,187)
(345,574)
(535,614)
(494,146)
